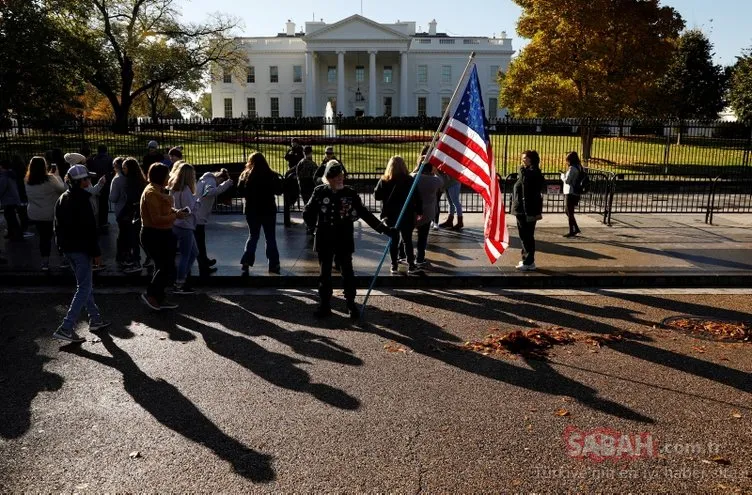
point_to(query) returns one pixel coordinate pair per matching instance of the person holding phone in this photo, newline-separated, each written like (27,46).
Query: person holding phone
(182,186)
(43,188)
(158,215)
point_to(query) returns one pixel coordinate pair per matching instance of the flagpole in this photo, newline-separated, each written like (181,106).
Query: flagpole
(435,138)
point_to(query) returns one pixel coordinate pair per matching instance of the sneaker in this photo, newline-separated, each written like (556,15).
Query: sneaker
(151,302)
(97,268)
(571,234)
(421,264)
(28,235)
(353,311)
(45,266)
(211,262)
(402,261)
(135,268)
(526,268)
(394,269)
(182,290)
(96,326)
(434,226)
(274,269)
(413,270)
(244,270)
(148,263)
(322,312)
(168,305)
(205,273)
(67,335)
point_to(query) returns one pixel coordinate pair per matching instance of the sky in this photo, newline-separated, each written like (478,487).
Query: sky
(725,22)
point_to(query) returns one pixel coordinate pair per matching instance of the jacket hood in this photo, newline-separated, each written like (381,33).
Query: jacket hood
(208,176)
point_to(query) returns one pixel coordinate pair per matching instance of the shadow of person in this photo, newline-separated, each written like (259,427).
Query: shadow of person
(172,409)
(22,377)
(276,368)
(416,334)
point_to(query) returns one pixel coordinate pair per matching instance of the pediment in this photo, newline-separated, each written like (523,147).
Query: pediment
(356,27)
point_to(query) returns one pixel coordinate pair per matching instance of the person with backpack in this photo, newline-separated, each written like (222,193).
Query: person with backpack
(573,180)
(211,185)
(527,206)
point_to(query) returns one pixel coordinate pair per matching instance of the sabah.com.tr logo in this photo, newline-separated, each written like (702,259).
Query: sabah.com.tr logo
(602,444)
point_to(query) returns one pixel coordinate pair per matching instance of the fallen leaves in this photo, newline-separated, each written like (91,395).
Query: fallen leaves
(736,415)
(561,412)
(709,328)
(718,460)
(535,342)
(135,454)
(391,347)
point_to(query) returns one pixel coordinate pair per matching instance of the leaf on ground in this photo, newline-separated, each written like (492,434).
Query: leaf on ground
(135,454)
(721,460)
(721,330)
(561,412)
(395,348)
(698,349)
(736,415)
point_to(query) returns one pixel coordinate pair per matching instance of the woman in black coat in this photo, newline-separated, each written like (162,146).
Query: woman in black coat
(528,205)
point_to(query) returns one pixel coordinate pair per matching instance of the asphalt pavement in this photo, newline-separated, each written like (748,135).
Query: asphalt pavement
(243,391)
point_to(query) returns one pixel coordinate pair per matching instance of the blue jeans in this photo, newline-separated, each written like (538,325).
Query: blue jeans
(269,224)
(188,251)
(84,296)
(453,195)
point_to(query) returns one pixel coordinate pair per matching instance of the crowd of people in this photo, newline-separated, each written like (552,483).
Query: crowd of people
(162,208)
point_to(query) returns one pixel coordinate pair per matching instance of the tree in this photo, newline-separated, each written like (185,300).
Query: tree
(588,58)
(693,86)
(126,48)
(35,80)
(740,87)
(204,105)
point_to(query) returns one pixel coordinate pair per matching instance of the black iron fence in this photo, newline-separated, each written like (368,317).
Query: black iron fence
(670,148)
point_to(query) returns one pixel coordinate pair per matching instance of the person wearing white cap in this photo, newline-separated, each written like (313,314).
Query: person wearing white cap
(152,156)
(76,234)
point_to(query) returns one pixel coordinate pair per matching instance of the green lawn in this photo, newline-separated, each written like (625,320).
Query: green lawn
(620,155)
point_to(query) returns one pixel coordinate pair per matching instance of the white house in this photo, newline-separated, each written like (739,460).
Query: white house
(362,67)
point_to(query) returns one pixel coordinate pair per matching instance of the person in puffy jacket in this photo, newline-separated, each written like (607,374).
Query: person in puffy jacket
(332,211)
(43,188)
(182,186)
(571,194)
(211,185)
(76,234)
(527,205)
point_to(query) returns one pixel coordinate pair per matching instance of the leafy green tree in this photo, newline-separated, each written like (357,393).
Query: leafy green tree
(126,48)
(588,58)
(35,80)
(204,105)
(740,87)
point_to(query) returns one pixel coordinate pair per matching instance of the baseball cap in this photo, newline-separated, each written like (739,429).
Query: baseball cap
(153,144)
(330,149)
(307,149)
(333,169)
(74,158)
(177,151)
(78,172)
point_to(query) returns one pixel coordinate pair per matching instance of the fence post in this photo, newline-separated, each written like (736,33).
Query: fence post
(506,144)
(667,149)
(748,146)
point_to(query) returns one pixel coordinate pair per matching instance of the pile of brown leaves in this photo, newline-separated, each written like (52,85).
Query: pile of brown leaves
(715,329)
(535,342)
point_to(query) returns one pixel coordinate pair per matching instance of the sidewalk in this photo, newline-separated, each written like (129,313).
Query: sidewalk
(637,251)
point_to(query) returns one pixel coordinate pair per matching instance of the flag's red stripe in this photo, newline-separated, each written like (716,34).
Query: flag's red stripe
(462,159)
(467,141)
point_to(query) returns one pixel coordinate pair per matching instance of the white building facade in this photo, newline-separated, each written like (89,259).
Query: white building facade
(362,67)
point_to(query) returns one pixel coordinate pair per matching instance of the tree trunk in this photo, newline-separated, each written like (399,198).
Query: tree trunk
(121,117)
(586,136)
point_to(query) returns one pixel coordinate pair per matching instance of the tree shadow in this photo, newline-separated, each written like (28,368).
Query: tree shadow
(689,255)
(429,340)
(22,377)
(276,368)
(172,409)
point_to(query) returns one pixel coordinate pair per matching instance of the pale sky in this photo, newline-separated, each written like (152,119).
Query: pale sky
(725,22)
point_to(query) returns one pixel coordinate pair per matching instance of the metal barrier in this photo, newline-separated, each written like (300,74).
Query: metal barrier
(729,196)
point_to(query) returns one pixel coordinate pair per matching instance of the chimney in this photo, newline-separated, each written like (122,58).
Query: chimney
(290,28)
(432,27)
(503,35)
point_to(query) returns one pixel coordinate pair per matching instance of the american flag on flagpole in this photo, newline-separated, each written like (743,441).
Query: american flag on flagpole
(463,151)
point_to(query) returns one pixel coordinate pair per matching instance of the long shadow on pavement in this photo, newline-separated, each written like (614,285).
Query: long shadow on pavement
(171,408)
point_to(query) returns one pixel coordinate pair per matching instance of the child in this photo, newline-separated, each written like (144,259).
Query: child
(332,210)
(208,188)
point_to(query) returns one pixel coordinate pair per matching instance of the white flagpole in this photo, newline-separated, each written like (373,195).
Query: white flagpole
(443,122)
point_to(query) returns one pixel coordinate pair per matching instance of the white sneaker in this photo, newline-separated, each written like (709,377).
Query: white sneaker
(526,268)
(434,226)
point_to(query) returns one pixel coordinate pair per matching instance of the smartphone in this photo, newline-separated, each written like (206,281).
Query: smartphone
(185,210)
(53,167)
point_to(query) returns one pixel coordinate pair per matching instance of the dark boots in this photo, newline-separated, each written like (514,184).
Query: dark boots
(459,225)
(448,223)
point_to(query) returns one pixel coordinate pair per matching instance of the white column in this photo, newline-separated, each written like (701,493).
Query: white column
(372,83)
(341,82)
(309,83)
(403,83)
(314,96)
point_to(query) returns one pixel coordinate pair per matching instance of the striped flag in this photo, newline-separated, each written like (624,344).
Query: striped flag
(464,152)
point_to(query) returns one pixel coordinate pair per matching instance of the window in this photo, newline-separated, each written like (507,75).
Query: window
(444,104)
(360,73)
(493,74)
(493,108)
(250,76)
(251,107)
(227,77)
(228,108)
(275,107)
(331,74)
(422,74)
(421,106)
(274,74)
(297,106)
(297,73)
(387,106)
(388,74)
(446,74)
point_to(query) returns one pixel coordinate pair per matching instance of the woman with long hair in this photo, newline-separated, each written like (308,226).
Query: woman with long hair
(157,217)
(429,187)
(258,185)
(135,183)
(182,186)
(392,190)
(43,188)
(527,205)
(571,194)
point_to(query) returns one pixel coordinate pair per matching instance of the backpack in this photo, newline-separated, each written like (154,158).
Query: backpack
(582,185)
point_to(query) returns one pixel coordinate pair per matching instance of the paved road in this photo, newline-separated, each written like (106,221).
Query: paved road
(244,391)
